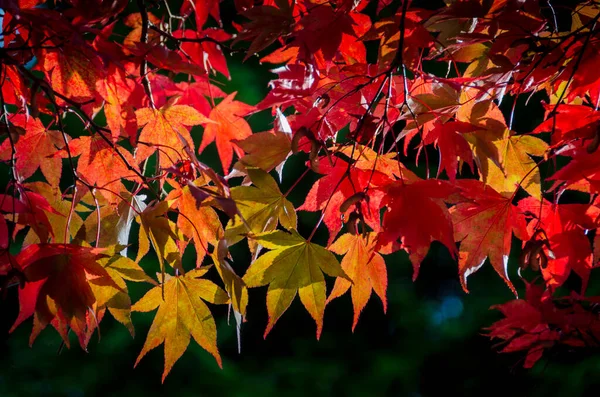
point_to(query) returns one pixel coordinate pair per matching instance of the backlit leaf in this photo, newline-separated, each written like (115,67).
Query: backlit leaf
(293,266)
(181,315)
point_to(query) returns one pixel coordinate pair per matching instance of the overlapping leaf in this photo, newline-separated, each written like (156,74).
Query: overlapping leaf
(261,208)
(113,294)
(484,224)
(198,222)
(35,149)
(563,227)
(58,290)
(158,230)
(416,216)
(364,266)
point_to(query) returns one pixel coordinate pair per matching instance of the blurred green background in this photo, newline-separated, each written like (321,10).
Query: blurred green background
(429,343)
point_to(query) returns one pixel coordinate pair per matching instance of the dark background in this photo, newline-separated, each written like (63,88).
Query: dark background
(429,343)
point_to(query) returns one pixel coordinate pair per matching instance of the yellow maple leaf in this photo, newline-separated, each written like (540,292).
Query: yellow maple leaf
(180,315)
(261,206)
(294,265)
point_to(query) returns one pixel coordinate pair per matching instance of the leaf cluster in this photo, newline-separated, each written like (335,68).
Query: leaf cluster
(354,95)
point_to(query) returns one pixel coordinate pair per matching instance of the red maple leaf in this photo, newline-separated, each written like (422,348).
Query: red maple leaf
(201,9)
(320,22)
(207,54)
(416,215)
(563,227)
(340,182)
(484,224)
(58,290)
(582,173)
(296,81)
(452,145)
(570,122)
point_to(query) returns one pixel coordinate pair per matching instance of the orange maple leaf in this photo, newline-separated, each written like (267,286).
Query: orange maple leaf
(100,165)
(35,149)
(364,266)
(229,126)
(165,130)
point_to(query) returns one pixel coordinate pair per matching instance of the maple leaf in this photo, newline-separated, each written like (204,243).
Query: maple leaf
(431,102)
(208,54)
(193,94)
(100,165)
(229,125)
(416,37)
(294,265)
(570,122)
(164,58)
(13,88)
(180,315)
(417,215)
(585,81)
(482,113)
(261,206)
(58,289)
(323,21)
(537,323)
(564,228)
(269,149)
(582,173)
(367,159)
(59,213)
(113,294)
(34,213)
(484,224)
(267,24)
(115,222)
(364,266)
(134,21)
(73,71)
(517,167)
(202,9)
(503,158)
(117,90)
(196,221)
(35,149)
(340,99)
(265,150)
(295,81)
(524,329)
(341,182)
(157,229)
(452,145)
(166,128)
(352,48)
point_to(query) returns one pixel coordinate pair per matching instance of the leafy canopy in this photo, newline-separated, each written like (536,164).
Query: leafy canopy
(400,111)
